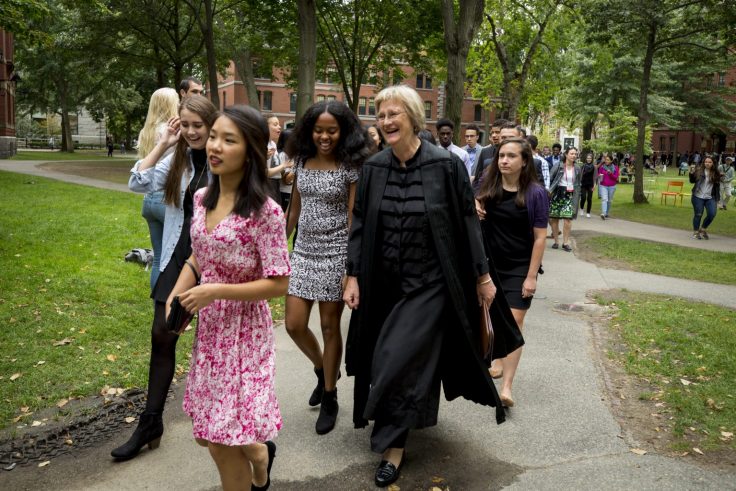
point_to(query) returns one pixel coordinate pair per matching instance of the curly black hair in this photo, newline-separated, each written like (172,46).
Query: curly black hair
(352,149)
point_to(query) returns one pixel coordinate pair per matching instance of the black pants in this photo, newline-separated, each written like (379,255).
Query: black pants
(586,194)
(386,435)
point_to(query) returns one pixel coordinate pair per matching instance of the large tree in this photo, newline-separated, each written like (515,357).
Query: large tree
(307,55)
(365,36)
(668,30)
(460,26)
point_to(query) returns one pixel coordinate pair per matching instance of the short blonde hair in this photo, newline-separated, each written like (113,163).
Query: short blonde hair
(409,98)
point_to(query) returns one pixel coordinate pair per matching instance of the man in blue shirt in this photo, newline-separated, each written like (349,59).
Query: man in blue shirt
(472,132)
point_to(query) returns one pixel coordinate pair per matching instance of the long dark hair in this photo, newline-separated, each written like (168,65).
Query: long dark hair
(352,149)
(202,107)
(253,187)
(491,189)
(715,174)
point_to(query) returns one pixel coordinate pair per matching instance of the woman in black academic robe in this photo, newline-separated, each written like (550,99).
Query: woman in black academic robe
(417,274)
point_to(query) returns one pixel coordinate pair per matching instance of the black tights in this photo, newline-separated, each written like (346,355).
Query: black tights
(163,360)
(586,195)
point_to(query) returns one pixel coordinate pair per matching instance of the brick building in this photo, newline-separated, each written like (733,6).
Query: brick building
(664,140)
(278,99)
(7,96)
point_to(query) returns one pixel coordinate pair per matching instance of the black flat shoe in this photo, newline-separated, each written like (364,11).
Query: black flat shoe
(271,455)
(387,473)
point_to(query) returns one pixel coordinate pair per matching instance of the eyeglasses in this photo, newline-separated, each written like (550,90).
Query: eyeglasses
(388,117)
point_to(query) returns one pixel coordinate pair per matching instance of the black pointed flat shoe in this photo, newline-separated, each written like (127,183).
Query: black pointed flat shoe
(387,473)
(271,455)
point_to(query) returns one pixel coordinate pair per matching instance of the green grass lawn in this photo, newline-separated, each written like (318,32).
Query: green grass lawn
(58,155)
(687,352)
(662,259)
(74,316)
(655,213)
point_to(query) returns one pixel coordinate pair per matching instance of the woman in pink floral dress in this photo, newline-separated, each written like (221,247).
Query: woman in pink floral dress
(239,246)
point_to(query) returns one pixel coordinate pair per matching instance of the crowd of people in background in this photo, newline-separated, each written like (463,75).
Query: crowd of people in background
(420,237)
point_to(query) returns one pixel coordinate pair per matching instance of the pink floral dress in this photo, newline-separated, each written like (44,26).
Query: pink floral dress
(230,389)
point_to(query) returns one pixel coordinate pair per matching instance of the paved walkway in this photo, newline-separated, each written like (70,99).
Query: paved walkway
(561,434)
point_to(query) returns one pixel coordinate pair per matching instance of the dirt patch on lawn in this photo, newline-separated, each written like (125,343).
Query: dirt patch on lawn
(646,422)
(585,251)
(117,171)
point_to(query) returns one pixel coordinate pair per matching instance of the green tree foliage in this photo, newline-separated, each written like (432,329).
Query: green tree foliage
(21,17)
(516,60)
(57,74)
(665,31)
(619,133)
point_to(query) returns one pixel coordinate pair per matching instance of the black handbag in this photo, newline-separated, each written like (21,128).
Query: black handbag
(179,317)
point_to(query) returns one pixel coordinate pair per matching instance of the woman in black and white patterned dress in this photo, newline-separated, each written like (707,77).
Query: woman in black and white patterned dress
(329,145)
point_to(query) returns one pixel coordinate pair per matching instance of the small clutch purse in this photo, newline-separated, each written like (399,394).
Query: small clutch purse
(486,334)
(179,317)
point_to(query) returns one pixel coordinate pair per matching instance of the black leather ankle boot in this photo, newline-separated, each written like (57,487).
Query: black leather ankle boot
(316,396)
(327,413)
(149,431)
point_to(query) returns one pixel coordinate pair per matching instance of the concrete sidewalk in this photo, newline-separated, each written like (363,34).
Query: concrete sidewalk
(560,435)
(31,167)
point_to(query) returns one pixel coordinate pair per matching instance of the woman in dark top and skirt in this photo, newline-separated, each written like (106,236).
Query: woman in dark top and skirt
(417,274)
(514,209)
(179,175)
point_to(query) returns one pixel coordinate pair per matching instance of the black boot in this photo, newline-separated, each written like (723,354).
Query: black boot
(149,431)
(327,413)
(316,396)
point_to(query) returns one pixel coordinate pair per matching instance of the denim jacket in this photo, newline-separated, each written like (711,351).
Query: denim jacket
(154,179)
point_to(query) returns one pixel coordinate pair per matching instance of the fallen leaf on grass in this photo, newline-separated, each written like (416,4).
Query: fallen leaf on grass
(69,441)
(62,403)
(15,376)
(63,342)
(40,362)
(727,435)
(437,480)
(129,419)
(24,409)
(37,423)
(638,451)
(111,357)
(685,382)
(698,451)
(44,463)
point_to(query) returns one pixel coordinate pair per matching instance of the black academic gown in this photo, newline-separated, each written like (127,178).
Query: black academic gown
(457,236)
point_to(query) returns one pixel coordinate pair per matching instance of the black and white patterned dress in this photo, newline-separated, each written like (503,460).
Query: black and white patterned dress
(320,251)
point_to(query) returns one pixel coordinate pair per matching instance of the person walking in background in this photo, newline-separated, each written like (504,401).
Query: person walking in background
(727,173)
(179,175)
(275,165)
(608,178)
(472,132)
(376,136)
(239,251)
(514,209)
(287,173)
(587,183)
(417,274)
(163,106)
(445,129)
(565,190)
(705,195)
(110,147)
(328,145)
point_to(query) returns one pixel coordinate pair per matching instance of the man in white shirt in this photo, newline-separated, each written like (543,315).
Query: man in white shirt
(472,132)
(445,128)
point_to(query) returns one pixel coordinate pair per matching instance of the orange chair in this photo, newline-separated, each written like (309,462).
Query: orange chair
(674,189)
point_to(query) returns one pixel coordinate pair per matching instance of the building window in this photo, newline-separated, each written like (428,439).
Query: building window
(672,144)
(267,100)
(320,97)
(292,102)
(362,107)
(661,143)
(428,109)
(722,79)
(372,106)
(477,113)
(331,98)
(423,82)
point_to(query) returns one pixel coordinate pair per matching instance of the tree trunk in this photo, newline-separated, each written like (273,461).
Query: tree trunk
(67,143)
(307,55)
(209,43)
(458,37)
(244,65)
(641,122)
(587,135)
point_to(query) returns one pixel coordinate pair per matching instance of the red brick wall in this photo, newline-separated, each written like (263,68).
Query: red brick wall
(7,98)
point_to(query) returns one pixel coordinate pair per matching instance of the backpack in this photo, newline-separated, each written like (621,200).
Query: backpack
(140,256)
